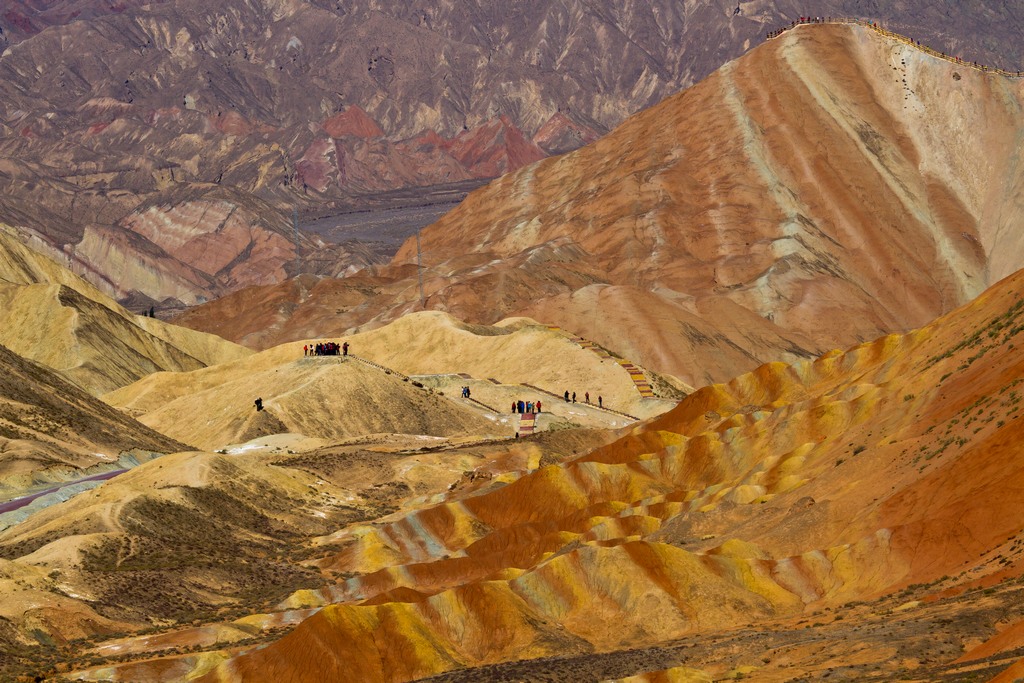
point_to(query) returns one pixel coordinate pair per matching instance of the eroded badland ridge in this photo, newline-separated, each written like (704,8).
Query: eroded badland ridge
(853,515)
(161,147)
(830,186)
(380,514)
(56,318)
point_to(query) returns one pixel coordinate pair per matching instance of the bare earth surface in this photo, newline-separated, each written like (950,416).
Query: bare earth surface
(731,224)
(852,516)
(387,515)
(50,315)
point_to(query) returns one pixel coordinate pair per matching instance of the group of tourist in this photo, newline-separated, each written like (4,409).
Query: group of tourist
(795,23)
(325,349)
(466,392)
(586,398)
(526,407)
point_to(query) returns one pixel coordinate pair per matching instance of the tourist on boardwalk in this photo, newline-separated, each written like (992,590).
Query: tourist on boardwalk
(600,402)
(514,406)
(305,350)
(586,397)
(566,395)
(344,352)
(574,397)
(538,406)
(522,407)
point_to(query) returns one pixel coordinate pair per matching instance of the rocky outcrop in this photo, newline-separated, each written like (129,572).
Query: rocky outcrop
(561,134)
(494,148)
(352,121)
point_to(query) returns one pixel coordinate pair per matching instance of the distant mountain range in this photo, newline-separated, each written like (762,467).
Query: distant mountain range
(159,147)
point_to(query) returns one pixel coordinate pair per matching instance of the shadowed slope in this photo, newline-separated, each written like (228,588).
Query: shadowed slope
(48,424)
(790,490)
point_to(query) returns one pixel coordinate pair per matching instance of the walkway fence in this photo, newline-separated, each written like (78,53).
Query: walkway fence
(365,361)
(558,397)
(896,36)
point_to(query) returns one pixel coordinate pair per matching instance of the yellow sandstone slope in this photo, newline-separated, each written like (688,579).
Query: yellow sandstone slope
(52,316)
(793,490)
(324,398)
(515,351)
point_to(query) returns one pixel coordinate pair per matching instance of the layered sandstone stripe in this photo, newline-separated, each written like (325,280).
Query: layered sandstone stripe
(786,491)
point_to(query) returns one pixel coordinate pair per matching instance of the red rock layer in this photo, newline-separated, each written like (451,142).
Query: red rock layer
(561,134)
(352,121)
(494,148)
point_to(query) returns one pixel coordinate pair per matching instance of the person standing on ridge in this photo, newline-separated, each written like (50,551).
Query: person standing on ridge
(259,404)
(600,402)
(538,406)
(586,397)
(574,397)
(566,395)
(344,349)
